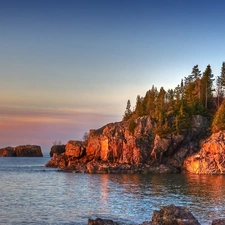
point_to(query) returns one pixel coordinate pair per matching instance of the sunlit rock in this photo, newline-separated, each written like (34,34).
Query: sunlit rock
(58,161)
(75,149)
(114,147)
(7,152)
(211,157)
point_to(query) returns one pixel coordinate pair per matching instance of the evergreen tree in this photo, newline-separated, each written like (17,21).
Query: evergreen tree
(128,111)
(196,73)
(139,109)
(220,85)
(223,75)
(219,119)
(189,94)
(206,84)
(160,112)
(150,101)
(219,91)
(192,91)
(173,111)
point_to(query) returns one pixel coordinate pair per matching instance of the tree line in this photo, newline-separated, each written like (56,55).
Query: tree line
(172,110)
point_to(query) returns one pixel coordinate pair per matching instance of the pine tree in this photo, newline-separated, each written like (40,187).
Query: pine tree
(219,91)
(192,91)
(149,101)
(196,73)
(206,84)
(220,85)
(128,112)
(160,112)
(223,75)
(139,109)
(219,119)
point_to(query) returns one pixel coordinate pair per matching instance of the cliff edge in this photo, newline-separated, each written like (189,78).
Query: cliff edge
(115,149)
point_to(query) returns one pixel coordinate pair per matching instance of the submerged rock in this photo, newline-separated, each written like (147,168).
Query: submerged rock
(167,215)
(173,215)
(219,221)
(100,221)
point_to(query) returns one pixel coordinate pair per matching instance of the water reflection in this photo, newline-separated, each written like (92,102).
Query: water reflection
(131,199)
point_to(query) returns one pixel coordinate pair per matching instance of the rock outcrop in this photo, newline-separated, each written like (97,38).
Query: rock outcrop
(211,157)
(167,215)
(173,215)
(218,221)
(115,149)
(7,152)
(58,149)
(22,151)
(100,221)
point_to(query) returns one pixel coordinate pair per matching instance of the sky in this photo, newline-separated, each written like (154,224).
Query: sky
(68,66)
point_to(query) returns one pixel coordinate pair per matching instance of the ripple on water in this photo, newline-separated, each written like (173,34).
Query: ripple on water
(33,194)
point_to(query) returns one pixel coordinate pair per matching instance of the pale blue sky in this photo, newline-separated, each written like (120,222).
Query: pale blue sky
(67,66)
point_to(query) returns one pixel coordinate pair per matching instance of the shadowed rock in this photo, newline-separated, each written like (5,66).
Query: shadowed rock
(100,221)
(7,152)
(58,149)
(28,151)
(219,221)
(167,215)
(173,215)
(22,151)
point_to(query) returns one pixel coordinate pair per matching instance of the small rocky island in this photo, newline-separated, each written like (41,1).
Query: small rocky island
(21,151)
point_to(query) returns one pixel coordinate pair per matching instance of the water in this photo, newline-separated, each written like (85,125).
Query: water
(33,194)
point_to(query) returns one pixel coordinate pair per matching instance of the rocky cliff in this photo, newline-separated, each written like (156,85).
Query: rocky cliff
(115,149)
(211,157)
(22,151)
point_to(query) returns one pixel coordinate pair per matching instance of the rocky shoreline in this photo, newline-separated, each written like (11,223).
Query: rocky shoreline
(115,149)
(21,151)
(167,215)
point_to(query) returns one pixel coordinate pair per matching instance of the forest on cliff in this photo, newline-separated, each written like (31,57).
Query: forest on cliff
(172,110)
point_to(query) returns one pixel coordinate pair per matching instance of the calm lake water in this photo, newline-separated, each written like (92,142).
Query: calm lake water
(33,194)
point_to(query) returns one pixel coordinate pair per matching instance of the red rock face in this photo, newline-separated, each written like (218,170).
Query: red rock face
(211,157)
(58,161)
(116,144)
(113,146)
(75,149)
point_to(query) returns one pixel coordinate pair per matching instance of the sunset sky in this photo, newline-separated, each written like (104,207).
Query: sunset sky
(67,65)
